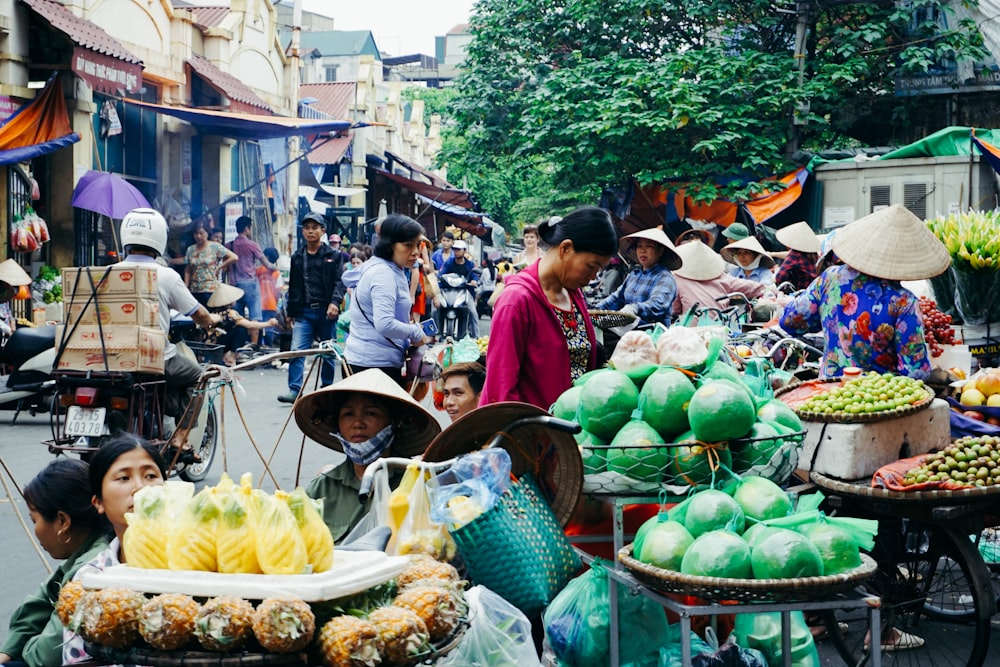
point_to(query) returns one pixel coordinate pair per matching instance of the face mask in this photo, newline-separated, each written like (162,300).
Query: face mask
(363,453)
(752,265)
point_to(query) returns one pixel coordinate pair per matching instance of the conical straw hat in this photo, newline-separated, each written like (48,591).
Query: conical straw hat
(670,258)
(224,295)
(892,244)
(12,274)
(749,243)
(317,413)
(700,262)
(799,236)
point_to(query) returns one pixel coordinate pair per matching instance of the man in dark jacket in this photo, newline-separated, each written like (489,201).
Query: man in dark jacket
(315,293)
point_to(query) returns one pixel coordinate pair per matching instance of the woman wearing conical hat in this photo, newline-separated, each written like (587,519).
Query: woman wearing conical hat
(649,288)
(798,268)
(12,276)
(750,260)
(702,279)
(868,318)
(365,416)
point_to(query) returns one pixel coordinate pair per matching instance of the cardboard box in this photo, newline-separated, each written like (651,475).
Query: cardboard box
(126,348)
(116,281)
(855,451)
(110,311)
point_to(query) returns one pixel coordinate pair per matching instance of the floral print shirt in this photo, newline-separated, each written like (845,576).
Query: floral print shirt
(576,340)
(204,265)
(867,322)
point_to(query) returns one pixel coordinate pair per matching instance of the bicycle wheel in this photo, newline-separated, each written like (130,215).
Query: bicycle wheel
(934,585)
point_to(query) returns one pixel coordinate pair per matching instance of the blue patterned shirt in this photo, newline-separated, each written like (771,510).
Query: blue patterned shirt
(867,322)
(650,291)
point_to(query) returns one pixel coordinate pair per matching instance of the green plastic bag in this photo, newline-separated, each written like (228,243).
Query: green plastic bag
(577,623)
(762,631)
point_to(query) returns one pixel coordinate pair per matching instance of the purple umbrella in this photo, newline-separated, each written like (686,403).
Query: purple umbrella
(107,194)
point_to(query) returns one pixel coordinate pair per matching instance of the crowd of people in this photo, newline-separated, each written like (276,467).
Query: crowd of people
(542,339)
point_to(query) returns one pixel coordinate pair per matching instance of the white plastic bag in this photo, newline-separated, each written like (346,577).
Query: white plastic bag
(378,513)
(499,634)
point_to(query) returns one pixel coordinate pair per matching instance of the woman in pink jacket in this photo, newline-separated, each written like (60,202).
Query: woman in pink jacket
(702,278)
(541,337)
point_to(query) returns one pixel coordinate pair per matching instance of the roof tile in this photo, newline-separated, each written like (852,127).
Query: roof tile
(226,83)
(81,31)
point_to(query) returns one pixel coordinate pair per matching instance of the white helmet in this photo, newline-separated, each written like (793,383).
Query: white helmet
(145,227)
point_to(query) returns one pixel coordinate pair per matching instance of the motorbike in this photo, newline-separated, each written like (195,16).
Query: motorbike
(456,300)
(29,353)
(91,406)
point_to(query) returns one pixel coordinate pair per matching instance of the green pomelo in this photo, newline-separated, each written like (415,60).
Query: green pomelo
(723,371)
(718,553)
(777,410)
(755,452)
(565,405)
(590,375)
(710,510)
(607,405)
(756,533)
(640,374)
(595,458)
(836,547)
(786,554)
(720,410)
(664,400)
(762,499)
(635,453)
(692,464)
(665,545)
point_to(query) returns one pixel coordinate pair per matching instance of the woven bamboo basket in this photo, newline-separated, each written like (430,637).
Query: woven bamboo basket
(717,589)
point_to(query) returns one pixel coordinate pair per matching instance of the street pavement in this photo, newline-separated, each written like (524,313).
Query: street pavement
(292,462)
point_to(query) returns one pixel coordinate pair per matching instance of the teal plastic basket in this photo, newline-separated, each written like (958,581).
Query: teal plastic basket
(517,549)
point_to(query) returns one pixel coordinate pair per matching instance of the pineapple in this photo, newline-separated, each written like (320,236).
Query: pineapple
(348,641)
(66,605)
(167,621)
(402,633)
(111,617)
(284,625)
(224,624)
(145,541)
(284,550)
(192,543)
(438,607)
(425,567)
(236,539)
(315,533)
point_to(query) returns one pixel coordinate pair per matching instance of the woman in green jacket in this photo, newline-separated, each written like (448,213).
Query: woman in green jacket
(69,528)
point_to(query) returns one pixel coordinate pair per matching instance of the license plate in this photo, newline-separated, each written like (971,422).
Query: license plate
(85,421)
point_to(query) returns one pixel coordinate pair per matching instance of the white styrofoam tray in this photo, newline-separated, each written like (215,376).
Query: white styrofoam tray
(352,572)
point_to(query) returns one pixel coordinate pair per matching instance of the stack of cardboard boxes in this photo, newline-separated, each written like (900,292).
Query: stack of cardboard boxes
(111,316)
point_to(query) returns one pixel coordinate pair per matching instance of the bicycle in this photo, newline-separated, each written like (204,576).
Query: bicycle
(931,578)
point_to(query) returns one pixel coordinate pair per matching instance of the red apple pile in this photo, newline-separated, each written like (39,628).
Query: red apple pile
(937,327)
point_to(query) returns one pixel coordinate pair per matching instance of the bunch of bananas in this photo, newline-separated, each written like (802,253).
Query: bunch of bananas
(971,239)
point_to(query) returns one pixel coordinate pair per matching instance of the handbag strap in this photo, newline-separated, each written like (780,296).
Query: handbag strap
(391,341)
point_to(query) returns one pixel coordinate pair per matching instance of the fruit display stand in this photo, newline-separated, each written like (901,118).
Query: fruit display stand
(832,594)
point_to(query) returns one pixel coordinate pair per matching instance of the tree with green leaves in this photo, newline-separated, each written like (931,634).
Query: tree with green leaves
(573,95)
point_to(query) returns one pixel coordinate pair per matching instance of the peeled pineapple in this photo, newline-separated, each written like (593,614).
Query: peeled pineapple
(315,533)
(236,539)
(224,624)
(438,607)
(402,633)
(348,641)
(111,617)
(145,541)
(168,620)
(66,605)
(280,549)
(192,542)
(425,567)
(284,625)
